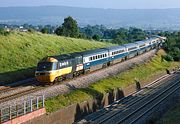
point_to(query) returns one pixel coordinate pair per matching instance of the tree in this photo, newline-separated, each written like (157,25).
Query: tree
(96,37)
(69,28)
(45,30)
(3,32)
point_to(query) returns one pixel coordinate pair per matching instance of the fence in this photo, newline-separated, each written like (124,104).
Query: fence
(14,111)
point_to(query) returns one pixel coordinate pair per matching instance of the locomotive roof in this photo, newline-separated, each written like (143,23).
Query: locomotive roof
(130,45)
(141,42)
(66,56)
(152,38)
(92,52)
(116,48)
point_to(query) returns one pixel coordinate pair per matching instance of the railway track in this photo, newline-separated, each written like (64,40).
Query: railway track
(13,86)
(127,100)
(19,94)
(133,117)
(123,110)
(14,90)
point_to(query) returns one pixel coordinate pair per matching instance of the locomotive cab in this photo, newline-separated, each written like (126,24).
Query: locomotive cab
(45,70)
(57,68)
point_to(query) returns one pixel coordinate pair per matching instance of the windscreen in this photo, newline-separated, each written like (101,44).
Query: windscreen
(44,66)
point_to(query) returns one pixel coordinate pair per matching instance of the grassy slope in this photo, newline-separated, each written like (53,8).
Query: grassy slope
(20,51)
(143,72)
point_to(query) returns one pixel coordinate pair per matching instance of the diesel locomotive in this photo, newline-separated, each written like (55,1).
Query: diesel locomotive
(57,68)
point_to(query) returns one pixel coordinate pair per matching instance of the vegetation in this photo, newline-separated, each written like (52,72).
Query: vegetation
(172,46)
(3,32)
(45,30)
(143,73)
(118,36)
(20,52)
(97,32)
(69,28)
(96,37)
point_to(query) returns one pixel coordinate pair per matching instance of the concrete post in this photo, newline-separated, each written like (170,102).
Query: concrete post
(31,106)
(43,101)
(16,110)
(37,103)
(24,107)
(0,116)
(10,113)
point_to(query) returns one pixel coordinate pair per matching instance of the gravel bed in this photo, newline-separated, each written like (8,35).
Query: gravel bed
(16,90)
(85,80)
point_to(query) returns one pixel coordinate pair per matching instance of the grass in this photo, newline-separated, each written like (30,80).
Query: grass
(172,116)
(143,72)
(20,52)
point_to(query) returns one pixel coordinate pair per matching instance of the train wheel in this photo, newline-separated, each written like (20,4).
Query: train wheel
(104,65)
(87,71)
(126,58)
(69,76)
(60,79)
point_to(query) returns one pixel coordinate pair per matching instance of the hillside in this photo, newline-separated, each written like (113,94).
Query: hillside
(20,52)
(142,18)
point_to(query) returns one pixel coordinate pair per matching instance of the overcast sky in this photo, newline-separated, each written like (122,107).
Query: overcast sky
(115,4)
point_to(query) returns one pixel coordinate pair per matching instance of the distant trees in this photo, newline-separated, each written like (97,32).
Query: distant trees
(93,31)
(3,32)
(69,28)
(48,29)
(44,30)
(118,36)
(130,35)
(96,37)
(172,46)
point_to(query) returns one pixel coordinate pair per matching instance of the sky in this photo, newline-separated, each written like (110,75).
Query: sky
(113,4)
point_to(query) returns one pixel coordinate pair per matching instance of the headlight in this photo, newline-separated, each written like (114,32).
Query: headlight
(47,73)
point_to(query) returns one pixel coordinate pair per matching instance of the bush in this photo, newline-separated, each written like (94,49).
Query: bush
(177,57)
(31,30)
(168,57)
(3,32)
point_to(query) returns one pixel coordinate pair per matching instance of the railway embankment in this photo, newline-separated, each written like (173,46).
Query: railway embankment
(87,100)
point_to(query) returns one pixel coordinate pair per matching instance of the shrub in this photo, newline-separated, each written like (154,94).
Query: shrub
(3,32)
(177,57)
(168,57)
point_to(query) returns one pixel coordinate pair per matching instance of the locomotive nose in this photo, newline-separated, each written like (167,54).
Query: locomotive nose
(44,77)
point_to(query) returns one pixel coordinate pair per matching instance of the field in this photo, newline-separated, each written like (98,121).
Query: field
(20,52)
(143,73)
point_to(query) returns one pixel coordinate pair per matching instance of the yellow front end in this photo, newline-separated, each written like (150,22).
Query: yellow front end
(50,76)
(45,77)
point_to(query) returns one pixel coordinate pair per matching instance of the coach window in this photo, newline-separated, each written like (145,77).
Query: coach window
(59,65)
(94,57)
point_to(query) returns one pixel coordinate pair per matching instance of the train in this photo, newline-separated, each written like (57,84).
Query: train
(54,69)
